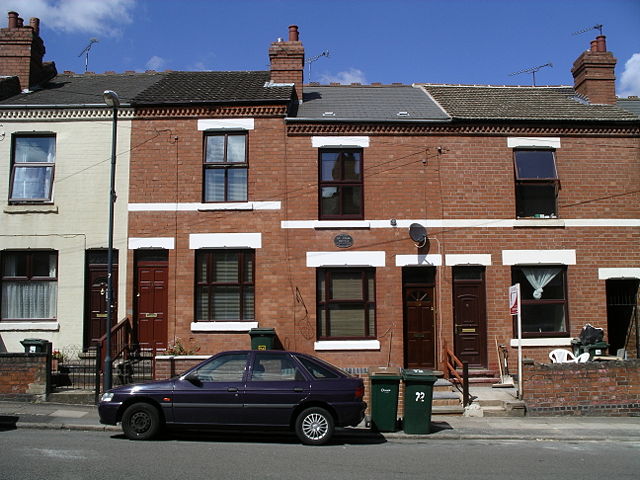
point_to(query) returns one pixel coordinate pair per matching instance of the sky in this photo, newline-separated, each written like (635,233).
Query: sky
(386,41)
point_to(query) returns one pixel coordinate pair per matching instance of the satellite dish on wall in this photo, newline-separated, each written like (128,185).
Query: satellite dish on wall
(418,234)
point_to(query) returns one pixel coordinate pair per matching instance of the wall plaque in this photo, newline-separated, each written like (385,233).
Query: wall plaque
(343,240)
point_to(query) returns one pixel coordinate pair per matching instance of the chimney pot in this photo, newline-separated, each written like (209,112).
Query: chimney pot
(20,22)
(602,43)
(13,20)
(293,33)
(594,45)
(35,24)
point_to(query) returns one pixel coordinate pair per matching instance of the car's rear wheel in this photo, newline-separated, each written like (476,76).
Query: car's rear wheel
(314,426)
(141,421)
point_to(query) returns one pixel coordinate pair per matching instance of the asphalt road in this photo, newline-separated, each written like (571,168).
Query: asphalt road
(70,455)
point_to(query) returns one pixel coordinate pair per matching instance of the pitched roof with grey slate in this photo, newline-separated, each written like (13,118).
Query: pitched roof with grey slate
(153,88)
(630,104)
(215,87)
(368,103)
(521,103)
(85,89)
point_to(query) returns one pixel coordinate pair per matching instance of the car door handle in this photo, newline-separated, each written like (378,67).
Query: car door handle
(232,389)
(298,389)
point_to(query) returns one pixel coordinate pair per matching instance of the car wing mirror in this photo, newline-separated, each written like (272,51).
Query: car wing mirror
(193,377)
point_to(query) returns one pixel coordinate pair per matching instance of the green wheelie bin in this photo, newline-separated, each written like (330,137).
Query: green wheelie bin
(262,338)
(418,396)
(385,386)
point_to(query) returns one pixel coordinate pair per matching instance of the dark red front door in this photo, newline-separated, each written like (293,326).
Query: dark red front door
(420,331)
(151,304)
(470,327)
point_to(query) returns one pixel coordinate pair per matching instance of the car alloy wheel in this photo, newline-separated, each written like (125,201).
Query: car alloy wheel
(314,426)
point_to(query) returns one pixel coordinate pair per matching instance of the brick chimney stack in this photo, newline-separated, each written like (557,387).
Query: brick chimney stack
(21,52)
(287,60)
(594,73)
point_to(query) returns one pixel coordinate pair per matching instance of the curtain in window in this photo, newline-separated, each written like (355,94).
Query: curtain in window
(29,300)
(540,278)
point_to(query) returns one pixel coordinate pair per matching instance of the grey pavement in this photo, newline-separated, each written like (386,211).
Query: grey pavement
(448,427)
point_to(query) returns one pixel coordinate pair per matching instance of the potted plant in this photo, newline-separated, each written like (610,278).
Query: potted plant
(57,358)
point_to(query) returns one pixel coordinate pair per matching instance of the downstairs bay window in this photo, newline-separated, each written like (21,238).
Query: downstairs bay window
(544,300)
(29,285)
(225,286)
(346,303)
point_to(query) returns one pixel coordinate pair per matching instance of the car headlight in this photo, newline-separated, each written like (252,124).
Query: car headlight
(107,397)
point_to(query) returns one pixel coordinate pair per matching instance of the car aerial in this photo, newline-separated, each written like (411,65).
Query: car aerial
(251,388)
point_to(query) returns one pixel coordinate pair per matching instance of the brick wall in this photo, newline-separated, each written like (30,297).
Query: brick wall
(24,376)
(592,388)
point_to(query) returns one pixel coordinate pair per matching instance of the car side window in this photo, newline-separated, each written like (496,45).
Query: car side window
(270,367)
(225,368)
(317,370)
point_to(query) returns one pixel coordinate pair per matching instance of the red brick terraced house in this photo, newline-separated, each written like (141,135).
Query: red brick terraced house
(373,225)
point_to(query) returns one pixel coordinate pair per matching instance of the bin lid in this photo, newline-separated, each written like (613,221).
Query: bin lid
(33,341)
(262,331)
(418,374)
(380,371)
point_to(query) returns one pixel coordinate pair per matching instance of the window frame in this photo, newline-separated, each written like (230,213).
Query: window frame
(25,165)
(225,165)
(340,184)
(29,277)
(522,183)
(542,301)
(323,305)
(243,284)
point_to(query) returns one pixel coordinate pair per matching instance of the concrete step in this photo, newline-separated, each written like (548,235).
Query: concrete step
(447,410)
(72,397)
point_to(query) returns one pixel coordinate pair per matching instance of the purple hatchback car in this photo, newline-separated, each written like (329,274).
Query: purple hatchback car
(243,388)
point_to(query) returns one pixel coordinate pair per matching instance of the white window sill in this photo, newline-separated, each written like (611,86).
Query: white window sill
(539,222)
(543,342)
(326,345)
(30,208)
(223,326)
(52,326)
(341,224)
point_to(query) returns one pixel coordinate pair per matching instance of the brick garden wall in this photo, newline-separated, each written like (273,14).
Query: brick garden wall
(590,389)
(23,376)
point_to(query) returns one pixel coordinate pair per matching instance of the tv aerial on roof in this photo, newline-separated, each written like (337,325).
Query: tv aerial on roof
(418,234)
(309,61)
(588,29)
(532,71)
(85,52)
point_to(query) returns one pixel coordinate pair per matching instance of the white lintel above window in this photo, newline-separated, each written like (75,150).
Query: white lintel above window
(533,142)
(538,257)
(323,142)
(167,243)
(430,260)
(345,259)
(468,259)
(542,342)
(226,124)
(612,273)
(225,240)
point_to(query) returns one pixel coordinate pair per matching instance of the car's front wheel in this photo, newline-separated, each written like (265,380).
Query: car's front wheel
(314,426)
(141,421)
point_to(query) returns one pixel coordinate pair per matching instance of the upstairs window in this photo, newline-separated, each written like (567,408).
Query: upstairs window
(32,168)
(225,168)
(536,183)
(341,184)
(29,285)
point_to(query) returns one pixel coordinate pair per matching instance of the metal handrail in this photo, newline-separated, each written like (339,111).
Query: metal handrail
(121,341)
